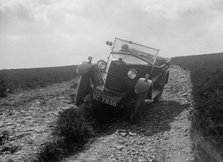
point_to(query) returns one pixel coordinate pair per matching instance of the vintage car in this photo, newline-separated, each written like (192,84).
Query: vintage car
(133,74)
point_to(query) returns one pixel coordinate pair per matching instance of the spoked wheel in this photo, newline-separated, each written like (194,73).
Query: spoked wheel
(140,100)
(82,89)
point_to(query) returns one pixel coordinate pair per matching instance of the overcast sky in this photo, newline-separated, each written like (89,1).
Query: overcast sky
(41,33)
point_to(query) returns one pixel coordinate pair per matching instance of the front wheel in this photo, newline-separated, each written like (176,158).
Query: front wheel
(82,89)
(140,100)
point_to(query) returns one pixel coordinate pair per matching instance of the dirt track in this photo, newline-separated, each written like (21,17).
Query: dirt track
(162,134)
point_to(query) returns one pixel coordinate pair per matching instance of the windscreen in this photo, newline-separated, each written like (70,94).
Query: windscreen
(148,53)
(127,59)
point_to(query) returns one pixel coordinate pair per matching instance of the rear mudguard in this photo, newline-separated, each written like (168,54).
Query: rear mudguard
(84,68)
(143,85)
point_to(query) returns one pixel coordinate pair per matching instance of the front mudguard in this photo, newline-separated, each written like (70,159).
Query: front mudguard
(93,72)
(84,68)
(143,85)
(83,88)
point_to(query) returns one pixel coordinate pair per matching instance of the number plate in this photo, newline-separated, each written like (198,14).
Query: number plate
(105,100)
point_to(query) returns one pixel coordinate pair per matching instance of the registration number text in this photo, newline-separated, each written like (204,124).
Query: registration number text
(105,100)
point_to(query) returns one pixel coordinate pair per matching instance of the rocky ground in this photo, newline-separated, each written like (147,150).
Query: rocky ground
(162,133)
(26,119)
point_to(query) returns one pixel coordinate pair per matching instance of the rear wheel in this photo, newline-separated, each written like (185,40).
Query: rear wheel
(158,97)
(161,87)
(82,89)
(140,100)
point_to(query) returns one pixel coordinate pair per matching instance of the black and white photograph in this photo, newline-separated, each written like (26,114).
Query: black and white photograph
(111,81)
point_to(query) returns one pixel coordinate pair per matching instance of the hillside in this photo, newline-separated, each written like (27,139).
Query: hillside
(17,79)
(194,61)
(207,76)
(201,66)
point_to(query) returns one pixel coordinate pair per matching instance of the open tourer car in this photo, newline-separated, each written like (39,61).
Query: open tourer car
(133,74)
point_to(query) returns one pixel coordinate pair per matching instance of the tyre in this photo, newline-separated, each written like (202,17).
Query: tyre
(82,88)
(140,100)
(162,84)
(149,93)
(158,97)
(167,77)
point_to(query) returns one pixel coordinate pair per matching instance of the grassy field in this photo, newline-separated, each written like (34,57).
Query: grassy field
(207,79)
(18,79)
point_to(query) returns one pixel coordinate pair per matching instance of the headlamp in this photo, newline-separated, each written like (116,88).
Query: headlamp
(132,73)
